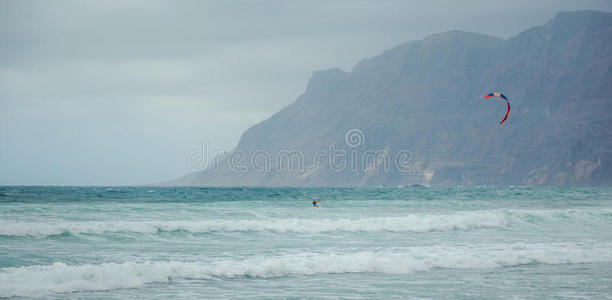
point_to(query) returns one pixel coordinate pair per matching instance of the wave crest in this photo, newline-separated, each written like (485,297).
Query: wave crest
(411,223)
(63,278)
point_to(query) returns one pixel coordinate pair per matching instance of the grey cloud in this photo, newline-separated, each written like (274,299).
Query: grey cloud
(118,92)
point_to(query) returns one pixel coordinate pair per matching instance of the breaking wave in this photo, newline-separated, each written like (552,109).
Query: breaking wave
(62,278)
(411,223)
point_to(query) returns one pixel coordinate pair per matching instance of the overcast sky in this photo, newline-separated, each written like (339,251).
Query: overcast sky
(119,92)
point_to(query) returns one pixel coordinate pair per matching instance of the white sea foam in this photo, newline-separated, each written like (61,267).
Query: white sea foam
(410,223)
(63,278)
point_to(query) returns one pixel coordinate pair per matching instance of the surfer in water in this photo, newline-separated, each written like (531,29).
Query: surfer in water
(315,202)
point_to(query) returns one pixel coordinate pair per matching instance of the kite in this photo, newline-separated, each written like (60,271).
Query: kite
(501,96)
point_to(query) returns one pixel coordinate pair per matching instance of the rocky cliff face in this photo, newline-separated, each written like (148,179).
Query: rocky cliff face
(416,115)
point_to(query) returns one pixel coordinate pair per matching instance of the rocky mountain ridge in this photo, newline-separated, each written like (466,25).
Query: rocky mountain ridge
(416,115)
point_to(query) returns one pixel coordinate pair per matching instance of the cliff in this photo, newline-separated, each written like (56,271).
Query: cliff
(421,105)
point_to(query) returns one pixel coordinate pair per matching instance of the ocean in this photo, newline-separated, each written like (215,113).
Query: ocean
(269,243)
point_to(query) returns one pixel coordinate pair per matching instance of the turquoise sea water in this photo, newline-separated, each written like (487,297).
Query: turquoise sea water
(410,242)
